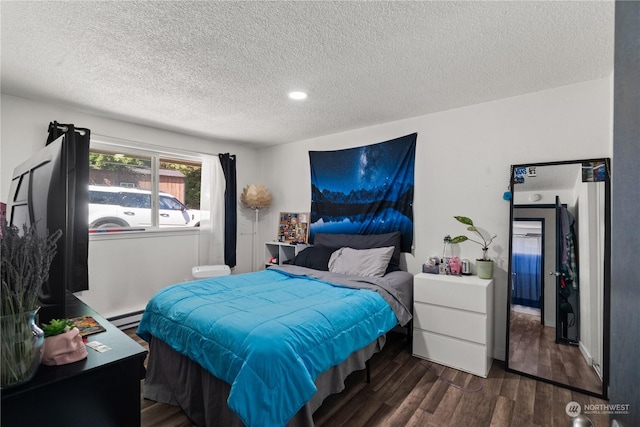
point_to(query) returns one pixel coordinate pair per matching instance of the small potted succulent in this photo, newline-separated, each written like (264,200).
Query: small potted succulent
(62,343)
(57,327)
(484,265)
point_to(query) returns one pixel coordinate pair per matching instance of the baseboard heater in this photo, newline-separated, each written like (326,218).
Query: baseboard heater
(126,321)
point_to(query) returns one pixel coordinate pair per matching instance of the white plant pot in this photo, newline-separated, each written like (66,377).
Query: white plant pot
(484,269)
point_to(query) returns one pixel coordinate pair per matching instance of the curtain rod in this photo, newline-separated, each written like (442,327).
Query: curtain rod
(82,132)
(122,142)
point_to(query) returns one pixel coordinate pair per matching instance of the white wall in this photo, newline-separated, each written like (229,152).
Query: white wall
(463,159)
(591,227)
(120,282)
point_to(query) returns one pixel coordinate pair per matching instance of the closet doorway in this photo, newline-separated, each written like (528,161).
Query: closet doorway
(527,272)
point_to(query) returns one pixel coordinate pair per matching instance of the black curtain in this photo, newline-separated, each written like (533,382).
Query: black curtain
(76,154)
(228,163)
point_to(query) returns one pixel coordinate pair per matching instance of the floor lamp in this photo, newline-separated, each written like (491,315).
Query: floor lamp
(256,197)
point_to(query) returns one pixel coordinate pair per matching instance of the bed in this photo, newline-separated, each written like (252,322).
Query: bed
(265,348)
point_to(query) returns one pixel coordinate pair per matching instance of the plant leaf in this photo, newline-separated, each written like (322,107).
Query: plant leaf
(464,220)
(472,228)
(56,327)
(459,239)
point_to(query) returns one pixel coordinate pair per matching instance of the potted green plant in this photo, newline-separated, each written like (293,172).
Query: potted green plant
(57,327)
(25,260)
(62,343)
(484,265)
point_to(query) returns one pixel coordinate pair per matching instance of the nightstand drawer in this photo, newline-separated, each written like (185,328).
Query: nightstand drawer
(464,325)
(464,293)
(463,355)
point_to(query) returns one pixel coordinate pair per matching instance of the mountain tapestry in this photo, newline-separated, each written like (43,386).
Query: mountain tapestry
(364,190)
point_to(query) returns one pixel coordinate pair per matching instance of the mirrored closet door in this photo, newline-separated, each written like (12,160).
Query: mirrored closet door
(558,304)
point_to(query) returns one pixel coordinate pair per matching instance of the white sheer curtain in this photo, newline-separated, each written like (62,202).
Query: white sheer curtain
(212,190)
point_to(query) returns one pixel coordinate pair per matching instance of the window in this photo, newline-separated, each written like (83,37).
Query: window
(104,198)
(167,202)
(133,200)
(139,187)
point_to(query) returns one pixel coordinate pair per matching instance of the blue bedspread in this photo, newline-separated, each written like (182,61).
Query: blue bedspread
(268,334)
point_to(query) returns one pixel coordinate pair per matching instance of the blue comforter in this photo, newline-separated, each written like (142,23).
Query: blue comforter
(268,334)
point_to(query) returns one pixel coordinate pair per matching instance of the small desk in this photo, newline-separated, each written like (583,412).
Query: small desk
(102,390)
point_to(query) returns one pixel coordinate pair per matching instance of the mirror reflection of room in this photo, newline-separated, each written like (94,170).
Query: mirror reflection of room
(557,273)
(526,277)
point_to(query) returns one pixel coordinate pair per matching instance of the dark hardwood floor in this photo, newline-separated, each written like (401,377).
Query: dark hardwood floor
(534,350)
(407,391)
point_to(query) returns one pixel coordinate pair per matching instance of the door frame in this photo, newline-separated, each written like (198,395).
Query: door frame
(542,270)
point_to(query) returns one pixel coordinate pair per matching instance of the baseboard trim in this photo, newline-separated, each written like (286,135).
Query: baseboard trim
(128,320)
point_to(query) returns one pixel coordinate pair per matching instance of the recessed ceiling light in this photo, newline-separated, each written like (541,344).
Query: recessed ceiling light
(298,96)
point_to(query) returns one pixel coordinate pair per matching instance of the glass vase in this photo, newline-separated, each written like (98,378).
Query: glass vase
(21,348)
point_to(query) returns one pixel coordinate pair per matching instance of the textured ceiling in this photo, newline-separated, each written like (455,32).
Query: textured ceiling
(222,70)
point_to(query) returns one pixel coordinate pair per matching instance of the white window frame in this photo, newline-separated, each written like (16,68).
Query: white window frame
(155,153)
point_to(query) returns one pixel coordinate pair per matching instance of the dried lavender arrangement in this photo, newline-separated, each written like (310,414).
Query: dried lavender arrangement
(25,261)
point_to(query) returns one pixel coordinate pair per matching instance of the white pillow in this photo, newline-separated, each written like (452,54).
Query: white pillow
(361,262)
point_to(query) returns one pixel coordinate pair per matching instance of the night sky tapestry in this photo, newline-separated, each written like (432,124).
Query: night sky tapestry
(364,190)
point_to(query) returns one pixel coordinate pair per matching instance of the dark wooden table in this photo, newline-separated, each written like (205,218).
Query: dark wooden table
(102,390)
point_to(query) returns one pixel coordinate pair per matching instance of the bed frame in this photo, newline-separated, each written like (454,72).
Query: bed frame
(203,397)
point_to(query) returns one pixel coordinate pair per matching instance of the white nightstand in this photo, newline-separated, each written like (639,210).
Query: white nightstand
(453,321)
(282,252)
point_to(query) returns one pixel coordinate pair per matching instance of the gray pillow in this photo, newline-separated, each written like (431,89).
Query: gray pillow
(364,241)
(361,262)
